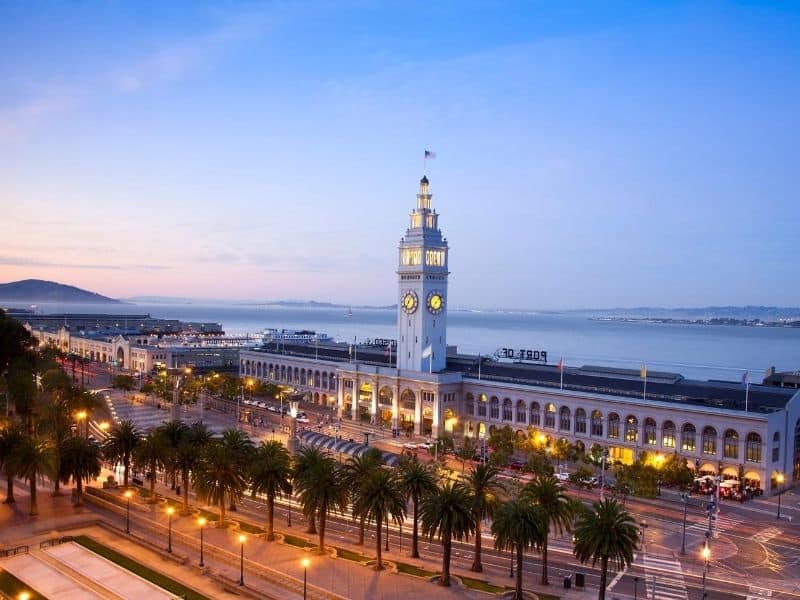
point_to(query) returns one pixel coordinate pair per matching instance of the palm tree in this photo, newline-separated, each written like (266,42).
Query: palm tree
(54,423)
(519,525)
(322,489)
(218,477)
(416,480)
(379,498)
(31,459)
(559,510)
(271,474)
(606,533)
(120,444)
(483,482)
(80,461)
(10,438)
(172,433)
(241,447)
(307,460)
(356,471)
(150,454)
(448,513)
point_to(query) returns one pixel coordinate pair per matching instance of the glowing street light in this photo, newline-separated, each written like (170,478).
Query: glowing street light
(305,562)
(170,511)
(706,554)
(202,522)
(780,479)
(128,494)
(242,540)
(24,596)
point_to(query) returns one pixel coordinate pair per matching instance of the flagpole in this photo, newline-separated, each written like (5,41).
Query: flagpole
(746,395)
(479,367)
(561,365)
(644,393)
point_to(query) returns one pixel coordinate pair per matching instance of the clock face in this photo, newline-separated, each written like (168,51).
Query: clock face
(435,302)
(410,302)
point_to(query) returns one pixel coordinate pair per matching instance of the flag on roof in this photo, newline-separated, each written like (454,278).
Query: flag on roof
(561,364)
(643,372)
(429,154)
(427,352)
(745,377)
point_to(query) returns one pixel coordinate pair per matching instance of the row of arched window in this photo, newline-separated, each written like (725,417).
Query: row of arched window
(628,429)
(287,374)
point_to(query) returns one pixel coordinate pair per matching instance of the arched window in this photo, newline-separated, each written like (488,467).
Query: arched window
(332,381)
(522,411)
(580,420)
(325,380)
(687,438)
(709,441)
(550,415)
(408,400)
(597,423)
(613,426)
(385,396)
(564,417)
(494,408)
(650,437)
(776,447)
(730,444)
(753,447)
(631,429)
(469,404)
(482,405)
(536,414)
(508,410)
(258,369)
(668,434)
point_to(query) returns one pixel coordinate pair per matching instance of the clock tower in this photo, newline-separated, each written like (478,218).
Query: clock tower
(422,288)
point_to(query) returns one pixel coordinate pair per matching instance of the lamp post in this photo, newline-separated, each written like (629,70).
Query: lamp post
(242,539)
(305,562)
(128,495)
(387,533)
(202,522)
(635,588)
(603,460)
(289,513)
(706,554)
(779,478)
(685,498)
(82,416)
(170,511)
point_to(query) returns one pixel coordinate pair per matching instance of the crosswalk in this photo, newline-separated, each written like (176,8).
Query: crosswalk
(721,524)
(766,535)
(664,578)
(758,593)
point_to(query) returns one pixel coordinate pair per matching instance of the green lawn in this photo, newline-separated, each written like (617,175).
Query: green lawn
(251,529)
(415,571)
(293,540)
(139,569)
(543,596)
(350,555)
(11,587)
(482,586)
(209,516)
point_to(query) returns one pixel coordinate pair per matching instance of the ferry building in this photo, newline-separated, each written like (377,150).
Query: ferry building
(419,382)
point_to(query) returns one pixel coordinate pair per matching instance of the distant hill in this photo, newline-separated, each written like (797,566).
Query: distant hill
(37,290)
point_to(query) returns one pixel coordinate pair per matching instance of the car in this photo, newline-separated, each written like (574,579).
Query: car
(562,476)
(262,405)
(303,419)
(590,482)
(248,402)
(426,445)
(271,408)
(410,446)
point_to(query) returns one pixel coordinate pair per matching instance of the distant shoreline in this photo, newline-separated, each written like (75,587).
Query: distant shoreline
(707,321)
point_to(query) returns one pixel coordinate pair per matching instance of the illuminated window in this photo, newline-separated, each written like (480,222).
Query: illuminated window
(411,256)
(434,258)
(668,434)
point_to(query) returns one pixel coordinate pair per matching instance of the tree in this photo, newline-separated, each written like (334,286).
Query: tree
(241,447)
(558,510)
(448,514)
(55,424)
(380,498)
(11,437)
(22,388)
(416,480)
(606,533)
(539,464)
(80,461)
(519,525)
(218,477)
(356,471)
(123,382)
(466,452)
(193,440)
(15,341)
(502,443)
(31,459)
(322,489)
(307,461)
(120,444)
(483,483)
(150,454)
(271,475)
(675,471)
(173,432)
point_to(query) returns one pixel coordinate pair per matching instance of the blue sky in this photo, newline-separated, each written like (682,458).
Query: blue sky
(589,153)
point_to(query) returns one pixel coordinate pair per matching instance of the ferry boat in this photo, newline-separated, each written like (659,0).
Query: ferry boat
(295,335)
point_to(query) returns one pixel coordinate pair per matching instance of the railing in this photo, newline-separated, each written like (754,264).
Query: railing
(56,541)
(14,551)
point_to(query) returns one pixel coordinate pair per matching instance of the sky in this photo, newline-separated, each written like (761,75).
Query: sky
(589,154)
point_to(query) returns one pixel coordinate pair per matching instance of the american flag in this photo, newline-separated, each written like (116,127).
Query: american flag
(429,154)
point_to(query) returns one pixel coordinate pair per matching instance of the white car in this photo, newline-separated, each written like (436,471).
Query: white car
(426,445)
(262,405)
(303,419)
(270,408)
(410,446)
(562,476)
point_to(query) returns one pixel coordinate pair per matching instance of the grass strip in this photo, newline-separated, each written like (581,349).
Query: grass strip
(482,586)
(13,587)
(350,555)
(293,540)
(251,529)
(415,571)
(139,569)
(543,596)
(209,516)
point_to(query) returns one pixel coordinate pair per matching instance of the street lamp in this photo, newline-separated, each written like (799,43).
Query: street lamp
(289,513)
(24,596)
(779,478)
(81,416)
(706,553)
(128,494)
(170,511)
(202,522)
(603,460)
(685,498)
(242,539)
(104,426)
(635,588)
(305,562)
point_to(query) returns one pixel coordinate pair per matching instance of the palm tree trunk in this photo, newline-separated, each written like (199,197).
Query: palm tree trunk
(56,487)
(378,544)
(321,548)
(603,578)
(222,511)
(126,465)
(153,485)
(9,490)
(415,534)
(270,518)
(476,562)
(34,507)
(446,546)
(312,523)
(185,484)
(362,525)
(79,498)
(544,561)
(519,572)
